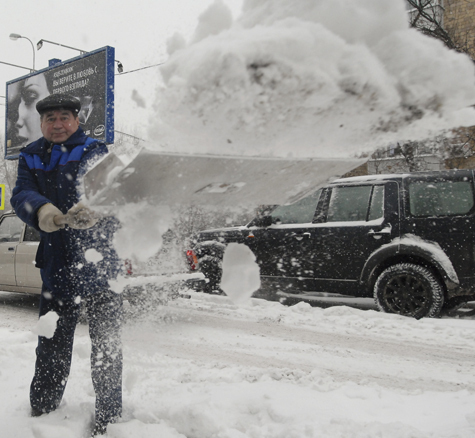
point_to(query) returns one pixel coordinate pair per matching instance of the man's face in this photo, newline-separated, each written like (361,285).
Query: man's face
(58,125)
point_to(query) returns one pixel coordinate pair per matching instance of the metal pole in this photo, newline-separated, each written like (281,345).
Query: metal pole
(33,48)
(19,66)
(16,36)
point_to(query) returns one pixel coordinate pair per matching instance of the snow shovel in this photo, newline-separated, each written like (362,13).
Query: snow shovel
(206,180)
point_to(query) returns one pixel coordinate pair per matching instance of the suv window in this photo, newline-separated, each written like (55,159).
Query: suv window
(300,212)
(376,208)
(357,203)
(10,229)
(440,198)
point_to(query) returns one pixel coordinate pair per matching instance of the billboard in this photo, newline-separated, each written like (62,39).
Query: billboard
(88,77)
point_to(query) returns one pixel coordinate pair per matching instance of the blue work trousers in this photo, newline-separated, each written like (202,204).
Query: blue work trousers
(53,356)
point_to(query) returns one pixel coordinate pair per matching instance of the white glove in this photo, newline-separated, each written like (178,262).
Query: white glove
(80,217)
(50,218)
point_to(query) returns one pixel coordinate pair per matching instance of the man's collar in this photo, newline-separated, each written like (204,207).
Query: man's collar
(42,145)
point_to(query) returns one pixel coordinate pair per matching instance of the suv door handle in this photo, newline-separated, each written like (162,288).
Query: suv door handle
(378,234)
(300,236)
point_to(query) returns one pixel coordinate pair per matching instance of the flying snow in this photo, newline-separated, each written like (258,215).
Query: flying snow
(142,227)
(240,273)
(46,325)
(93,256)
(308,78)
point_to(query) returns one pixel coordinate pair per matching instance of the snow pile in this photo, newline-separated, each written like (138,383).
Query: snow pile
(308,78)
(240,277)
(46,325)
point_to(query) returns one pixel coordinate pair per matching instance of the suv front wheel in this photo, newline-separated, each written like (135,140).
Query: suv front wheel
(410,290)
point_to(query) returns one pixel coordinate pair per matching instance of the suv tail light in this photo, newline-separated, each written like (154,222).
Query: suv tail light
(192,259)
(128,266)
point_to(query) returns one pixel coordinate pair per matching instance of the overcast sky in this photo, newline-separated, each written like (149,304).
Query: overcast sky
(137,29)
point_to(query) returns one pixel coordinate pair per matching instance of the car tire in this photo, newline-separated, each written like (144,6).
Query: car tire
(410,290)
(211,267)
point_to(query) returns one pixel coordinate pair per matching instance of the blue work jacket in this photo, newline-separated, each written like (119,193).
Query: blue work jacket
(50,174)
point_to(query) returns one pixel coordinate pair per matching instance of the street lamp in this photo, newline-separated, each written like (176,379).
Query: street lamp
(15,36)
(39,45)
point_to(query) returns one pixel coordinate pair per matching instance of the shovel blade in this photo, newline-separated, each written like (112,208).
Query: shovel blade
(174,179)
(101,175)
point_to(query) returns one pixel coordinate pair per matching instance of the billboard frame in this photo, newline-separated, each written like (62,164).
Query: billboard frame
(109,87)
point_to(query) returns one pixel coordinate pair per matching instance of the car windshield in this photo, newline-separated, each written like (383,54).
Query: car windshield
(299,212)
(10,229)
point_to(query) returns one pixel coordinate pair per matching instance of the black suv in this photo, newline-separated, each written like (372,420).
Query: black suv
(406,239)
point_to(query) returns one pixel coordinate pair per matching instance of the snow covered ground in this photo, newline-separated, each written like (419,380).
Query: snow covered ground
(206,368)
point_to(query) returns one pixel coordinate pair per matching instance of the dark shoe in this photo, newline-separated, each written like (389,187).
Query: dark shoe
(36,412)
(99,429)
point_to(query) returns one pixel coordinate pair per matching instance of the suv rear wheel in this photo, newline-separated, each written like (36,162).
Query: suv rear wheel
(410,290)
(211,267)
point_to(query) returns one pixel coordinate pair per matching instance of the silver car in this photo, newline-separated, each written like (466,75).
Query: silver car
(18,273)
(18,245)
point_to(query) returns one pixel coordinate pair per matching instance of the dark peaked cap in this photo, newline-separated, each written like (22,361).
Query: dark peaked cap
(58,101)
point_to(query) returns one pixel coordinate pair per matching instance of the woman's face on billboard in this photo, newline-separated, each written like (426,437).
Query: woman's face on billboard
(28,123)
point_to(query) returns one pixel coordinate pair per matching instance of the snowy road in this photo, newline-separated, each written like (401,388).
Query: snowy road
(201,336)
(204,367)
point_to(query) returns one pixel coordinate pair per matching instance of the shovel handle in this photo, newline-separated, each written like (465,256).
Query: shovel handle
(66,219)
(61,219)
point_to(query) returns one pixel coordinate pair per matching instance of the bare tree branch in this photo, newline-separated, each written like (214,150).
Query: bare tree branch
(427,16)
